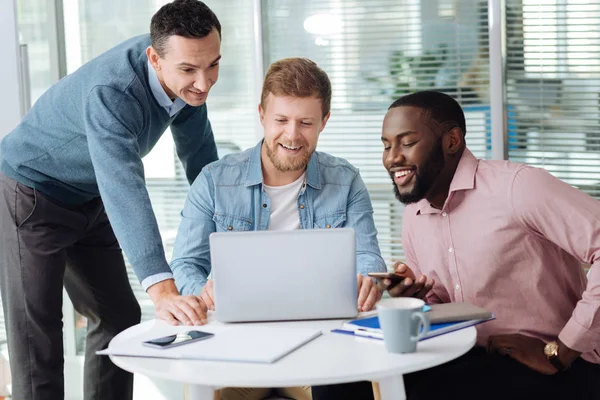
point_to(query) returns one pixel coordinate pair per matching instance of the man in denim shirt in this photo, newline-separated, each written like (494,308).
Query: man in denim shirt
(281,184)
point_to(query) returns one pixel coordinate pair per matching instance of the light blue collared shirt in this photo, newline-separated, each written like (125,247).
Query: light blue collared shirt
(172,107)
(228,195)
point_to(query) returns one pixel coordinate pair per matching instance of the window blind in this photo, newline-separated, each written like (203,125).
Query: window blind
(552,86)
(374,52)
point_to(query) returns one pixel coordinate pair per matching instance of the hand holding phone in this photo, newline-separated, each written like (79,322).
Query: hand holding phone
(411,285)
(167,342)
(395,278)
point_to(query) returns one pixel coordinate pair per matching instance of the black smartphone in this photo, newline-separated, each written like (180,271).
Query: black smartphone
(167,342)
(387,275)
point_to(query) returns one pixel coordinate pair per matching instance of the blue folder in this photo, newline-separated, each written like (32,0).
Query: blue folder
(369,327)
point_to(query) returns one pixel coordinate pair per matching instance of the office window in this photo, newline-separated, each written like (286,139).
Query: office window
(552,88)
(374,53)
(32,23)
(32,18)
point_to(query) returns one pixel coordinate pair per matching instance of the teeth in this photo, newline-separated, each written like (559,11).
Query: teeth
(289,147)
(402,173)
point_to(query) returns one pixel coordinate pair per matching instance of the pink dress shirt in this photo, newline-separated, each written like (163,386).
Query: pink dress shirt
(513,238)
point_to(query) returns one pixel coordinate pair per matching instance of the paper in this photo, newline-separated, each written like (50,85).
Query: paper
(253,344)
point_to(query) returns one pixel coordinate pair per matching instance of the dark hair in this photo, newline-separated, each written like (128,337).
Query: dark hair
(438,107)
(188,18)
(297,77)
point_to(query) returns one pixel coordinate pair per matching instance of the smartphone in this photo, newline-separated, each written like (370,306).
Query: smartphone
(395,278)
(167,342)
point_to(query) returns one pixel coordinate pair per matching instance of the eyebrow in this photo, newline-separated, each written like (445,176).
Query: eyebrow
(285,116)
(400,135)
(186,64)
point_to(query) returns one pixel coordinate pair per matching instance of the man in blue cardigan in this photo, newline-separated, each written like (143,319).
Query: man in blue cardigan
(72,193)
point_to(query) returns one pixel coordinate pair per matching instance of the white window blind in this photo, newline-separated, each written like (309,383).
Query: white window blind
(374,52)
(553,86)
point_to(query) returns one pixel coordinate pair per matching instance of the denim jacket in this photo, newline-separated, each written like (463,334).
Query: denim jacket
(228,195)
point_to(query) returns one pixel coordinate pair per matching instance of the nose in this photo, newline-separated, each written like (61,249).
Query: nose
(394,156)
(292,131)
(202,82)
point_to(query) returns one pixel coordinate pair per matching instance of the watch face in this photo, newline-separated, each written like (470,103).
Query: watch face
(551,349)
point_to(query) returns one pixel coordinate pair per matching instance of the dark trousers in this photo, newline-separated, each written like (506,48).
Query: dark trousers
(478,375)
(43,246)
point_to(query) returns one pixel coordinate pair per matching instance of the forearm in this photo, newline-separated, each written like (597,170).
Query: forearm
(191,254)
(369,262)
(360,218)
(132,219)
(188,279)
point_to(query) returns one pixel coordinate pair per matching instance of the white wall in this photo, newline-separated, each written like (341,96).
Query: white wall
(10,100)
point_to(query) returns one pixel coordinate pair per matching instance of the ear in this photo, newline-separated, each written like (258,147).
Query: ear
(325,119)
(261,115)
(455,140)
(153,57)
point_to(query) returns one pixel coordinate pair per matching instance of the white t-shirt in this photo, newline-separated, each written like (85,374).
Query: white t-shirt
(284,205)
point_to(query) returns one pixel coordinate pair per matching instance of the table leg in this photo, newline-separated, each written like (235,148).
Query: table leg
(392,388)
(197,392)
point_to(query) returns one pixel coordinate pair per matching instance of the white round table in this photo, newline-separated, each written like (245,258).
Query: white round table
(329,359)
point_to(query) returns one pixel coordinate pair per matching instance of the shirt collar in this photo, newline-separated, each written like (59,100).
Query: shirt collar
(172,107)
(464,179)
(254,174)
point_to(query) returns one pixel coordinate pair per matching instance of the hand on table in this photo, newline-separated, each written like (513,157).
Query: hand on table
(368,293)
(207,295)
(175,308)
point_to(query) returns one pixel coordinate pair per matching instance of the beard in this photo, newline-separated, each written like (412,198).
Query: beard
(425,176)
(295,164)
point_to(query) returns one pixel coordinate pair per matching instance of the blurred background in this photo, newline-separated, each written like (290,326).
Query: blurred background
(546,72)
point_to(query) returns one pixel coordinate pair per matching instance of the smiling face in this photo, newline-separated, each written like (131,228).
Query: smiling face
(189,66)
(413,153)
(292,126)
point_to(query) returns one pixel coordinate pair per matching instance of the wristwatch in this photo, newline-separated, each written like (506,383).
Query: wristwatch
(551,353)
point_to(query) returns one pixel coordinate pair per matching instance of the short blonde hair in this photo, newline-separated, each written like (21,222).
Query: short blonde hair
(297,77)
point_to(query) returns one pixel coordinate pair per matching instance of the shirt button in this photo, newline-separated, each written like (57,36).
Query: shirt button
(328,226)
(265,205)
(451,250)
(444,214)
(230,228)
(457,287)
(302,206)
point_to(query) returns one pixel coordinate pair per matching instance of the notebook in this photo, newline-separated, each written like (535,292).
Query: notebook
(445,318)
(451,312)
(252,344)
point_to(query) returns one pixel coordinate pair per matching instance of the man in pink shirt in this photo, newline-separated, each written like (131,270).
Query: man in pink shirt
(501,235)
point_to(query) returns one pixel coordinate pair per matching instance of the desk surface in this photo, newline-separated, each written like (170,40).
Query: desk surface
(331,358)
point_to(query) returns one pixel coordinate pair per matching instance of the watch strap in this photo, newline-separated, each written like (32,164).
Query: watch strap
(556,363)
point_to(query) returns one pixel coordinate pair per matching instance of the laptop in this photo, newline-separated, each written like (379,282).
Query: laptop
(284,275)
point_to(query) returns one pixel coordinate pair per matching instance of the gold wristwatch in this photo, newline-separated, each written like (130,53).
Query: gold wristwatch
(551,353)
